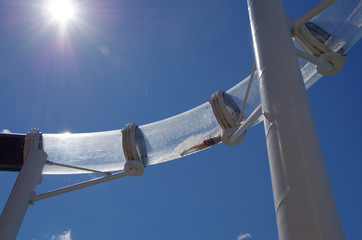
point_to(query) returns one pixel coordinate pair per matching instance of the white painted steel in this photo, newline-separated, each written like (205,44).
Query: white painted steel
(246,124)
(304,204)
(81,185)
(23,191)
(313,59)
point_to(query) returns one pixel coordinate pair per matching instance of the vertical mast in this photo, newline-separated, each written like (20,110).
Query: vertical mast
(304,203)
(23,190)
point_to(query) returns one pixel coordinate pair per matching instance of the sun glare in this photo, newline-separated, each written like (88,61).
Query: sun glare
(61,11)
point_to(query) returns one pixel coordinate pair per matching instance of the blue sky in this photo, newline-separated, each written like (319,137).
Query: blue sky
(143,61)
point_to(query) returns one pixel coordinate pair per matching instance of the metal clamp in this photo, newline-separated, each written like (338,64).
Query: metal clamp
(134,149)
(312,39)
(227,114)
(225,110)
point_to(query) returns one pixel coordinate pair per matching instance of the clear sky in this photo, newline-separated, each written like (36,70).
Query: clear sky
(121,61)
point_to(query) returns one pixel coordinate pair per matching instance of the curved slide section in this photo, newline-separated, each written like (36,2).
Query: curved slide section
(185,133)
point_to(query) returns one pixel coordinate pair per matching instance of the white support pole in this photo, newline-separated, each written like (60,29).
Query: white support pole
(246,124)
(304,203)
(23,190)
(82,185)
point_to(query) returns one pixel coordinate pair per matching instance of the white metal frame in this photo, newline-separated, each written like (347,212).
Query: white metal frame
(304,203)
(23,190)
(30,175)
(128,172)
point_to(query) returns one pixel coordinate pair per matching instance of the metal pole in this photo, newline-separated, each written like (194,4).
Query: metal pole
(304,204)
(23,190)
(82,185)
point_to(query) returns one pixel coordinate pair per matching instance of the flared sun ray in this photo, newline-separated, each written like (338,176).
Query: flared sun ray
(61,11)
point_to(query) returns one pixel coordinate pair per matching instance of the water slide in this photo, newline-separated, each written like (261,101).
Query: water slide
(189,132)
(338,27)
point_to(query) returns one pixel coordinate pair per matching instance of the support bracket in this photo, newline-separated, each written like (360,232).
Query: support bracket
(328,63)
(227,114)
(134,148)
(313,39)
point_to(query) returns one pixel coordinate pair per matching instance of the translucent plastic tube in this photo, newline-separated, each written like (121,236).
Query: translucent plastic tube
(99,150)
(343,20)
(169,139)
(165,140)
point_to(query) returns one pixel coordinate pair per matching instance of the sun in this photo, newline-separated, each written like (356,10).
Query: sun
(61,11)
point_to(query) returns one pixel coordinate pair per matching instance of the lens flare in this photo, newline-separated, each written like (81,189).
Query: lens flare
(61,11)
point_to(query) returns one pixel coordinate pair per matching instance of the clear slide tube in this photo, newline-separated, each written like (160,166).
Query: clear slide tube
(168,139)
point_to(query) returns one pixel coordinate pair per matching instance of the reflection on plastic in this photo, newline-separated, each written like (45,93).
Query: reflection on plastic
(101,151)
